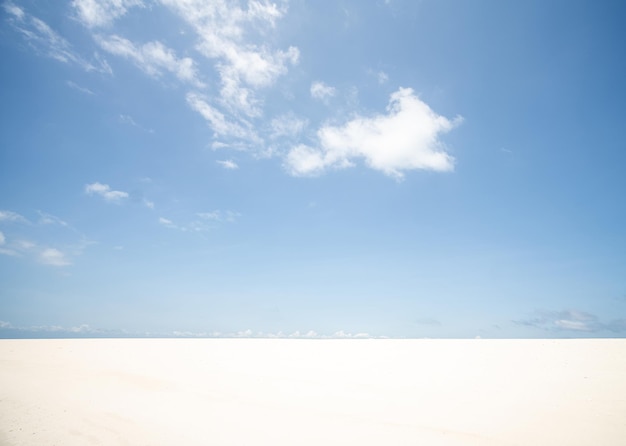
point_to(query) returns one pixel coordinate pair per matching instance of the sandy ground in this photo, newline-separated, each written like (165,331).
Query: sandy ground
(312,392)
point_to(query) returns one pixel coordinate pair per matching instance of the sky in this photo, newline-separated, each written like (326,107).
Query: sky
(317,169)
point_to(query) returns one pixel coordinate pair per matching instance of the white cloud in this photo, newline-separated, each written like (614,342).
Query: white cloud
(126,119)
(572,320)
(14,10)
(104,190)
(147,203)
(243,66)
(227,164)
(305,160)
(9,252)
(49,219)
(47,41)
(217,121)
(96,13)
(11,216)
(204,221)
(54,257)
(382,77)
(287,125)
(79,88)
(41,232)
(321,91)
(153,58)
(219,216)
(25,245)
(167,223)
(405,138)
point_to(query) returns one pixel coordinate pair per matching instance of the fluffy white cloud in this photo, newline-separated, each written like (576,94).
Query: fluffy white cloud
(2,238)
(405,138)
(104,190)
(321,91)
(228,164)
(95,13)
(54,257)
(153,58)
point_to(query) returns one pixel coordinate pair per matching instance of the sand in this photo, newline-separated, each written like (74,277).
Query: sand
(312,392)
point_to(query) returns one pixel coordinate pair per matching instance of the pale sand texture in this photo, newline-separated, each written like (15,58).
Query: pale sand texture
(312,392)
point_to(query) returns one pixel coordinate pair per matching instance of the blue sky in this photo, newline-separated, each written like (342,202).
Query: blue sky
(305,168)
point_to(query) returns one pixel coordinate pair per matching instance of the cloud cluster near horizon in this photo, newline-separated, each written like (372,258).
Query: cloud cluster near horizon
(572,320)
(87,331)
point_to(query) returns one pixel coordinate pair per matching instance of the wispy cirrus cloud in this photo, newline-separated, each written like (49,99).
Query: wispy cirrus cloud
(98,13)
(573,321)
(407,137)
(202,221)
(243,65)
(228,164)
(105,191)
(221,125)
(129,120)
(153,58)
(20,247)
(167,223)
(77,87)
(226,36)
(219,216)
(49,219)
(10,216)
(3,250)
(287,125)
(43,39)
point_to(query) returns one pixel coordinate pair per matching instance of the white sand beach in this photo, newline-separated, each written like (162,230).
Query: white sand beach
(312,392)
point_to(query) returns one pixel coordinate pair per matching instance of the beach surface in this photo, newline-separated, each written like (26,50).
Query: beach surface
(312,392)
